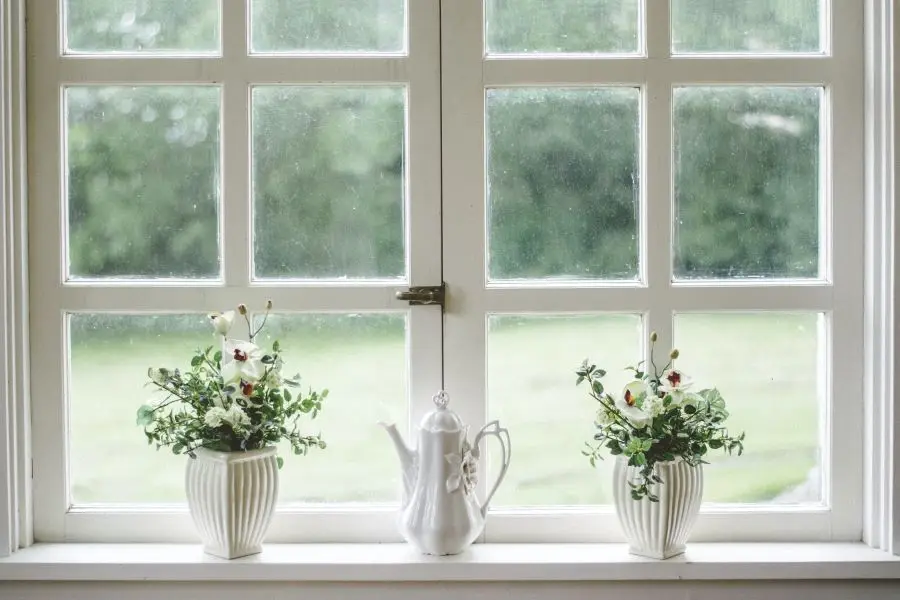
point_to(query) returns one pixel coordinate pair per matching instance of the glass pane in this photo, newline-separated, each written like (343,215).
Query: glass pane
(580,26)
(361,359)
(563,197)
(329,182)
(766,365)
(747,182)
(110,460)
(331,26)
(531,390)
(751,26)
(142,26)
(143,181)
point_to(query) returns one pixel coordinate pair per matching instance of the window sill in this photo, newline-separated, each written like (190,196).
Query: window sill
(483,562)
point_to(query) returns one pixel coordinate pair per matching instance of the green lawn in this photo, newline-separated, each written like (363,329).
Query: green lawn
(765,365)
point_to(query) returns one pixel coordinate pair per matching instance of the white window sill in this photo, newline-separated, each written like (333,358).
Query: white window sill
(483,562)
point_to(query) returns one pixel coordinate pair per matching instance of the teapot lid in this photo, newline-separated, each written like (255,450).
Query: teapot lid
(441,419)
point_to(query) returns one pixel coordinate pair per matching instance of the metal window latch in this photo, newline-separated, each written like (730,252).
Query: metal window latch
(424,295)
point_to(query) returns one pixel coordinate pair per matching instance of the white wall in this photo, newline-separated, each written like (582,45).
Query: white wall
(782,590)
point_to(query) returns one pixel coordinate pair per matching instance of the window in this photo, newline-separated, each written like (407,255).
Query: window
(578,176)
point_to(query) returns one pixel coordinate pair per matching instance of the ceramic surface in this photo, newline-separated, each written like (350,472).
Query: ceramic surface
(441,513)
(658,529)
(231,496)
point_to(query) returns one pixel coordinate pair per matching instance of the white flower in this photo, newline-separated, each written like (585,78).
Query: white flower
(632,403)
(241,360)
(236,416)
(215,416)
(222,322)
(674,380)
(156,376)
(463,470)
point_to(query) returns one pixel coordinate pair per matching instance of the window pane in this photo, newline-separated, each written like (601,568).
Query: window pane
(328,25)
(329,182)
(766,365)
(752,26)
(563,183)
(581,26)
(531,390)
(361,360)
(142,26)
(143,181)
(110,460)
(747,182)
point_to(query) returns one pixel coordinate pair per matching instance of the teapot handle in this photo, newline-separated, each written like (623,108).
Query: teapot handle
(502,434)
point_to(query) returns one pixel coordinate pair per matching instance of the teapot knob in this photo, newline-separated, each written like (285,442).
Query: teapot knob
(441,400)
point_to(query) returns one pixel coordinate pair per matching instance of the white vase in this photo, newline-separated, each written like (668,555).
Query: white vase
(231,496)
(658,529)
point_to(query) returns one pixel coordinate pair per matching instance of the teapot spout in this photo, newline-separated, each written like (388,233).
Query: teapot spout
(407,458)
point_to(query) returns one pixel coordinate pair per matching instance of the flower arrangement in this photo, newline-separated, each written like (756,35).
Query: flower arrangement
(657,418)
(231,399)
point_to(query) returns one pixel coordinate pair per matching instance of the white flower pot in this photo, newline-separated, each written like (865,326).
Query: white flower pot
(658,529)
(232,497)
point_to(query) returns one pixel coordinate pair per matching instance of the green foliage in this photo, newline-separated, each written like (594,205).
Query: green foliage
(657,419)
(241,405)
(328,163)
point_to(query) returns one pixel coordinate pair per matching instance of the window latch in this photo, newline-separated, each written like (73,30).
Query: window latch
(424,295)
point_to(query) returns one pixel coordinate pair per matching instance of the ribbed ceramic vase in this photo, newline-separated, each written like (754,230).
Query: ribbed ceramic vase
(658,529)
(231,496)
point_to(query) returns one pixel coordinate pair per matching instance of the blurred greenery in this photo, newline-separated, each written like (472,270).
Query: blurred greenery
(329,174)
(564,191)
(764,364)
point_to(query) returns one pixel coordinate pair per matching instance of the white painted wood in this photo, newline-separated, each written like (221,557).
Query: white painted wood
(235,72)
(15,528)
(464,74)
(881,515)
(482,562)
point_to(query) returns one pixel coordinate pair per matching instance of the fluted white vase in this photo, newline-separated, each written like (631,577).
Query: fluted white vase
(658,529)
(231,496)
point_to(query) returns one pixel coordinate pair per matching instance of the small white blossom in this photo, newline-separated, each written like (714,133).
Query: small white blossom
(222,322)
(236,417)
(215,416)
(156,376)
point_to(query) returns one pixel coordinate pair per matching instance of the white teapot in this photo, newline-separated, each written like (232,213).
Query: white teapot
(440,512)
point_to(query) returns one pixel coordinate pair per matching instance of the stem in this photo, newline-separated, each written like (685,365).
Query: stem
(249,327)
(261,325)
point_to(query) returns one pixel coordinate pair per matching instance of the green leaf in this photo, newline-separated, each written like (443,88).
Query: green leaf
(279,460)
(597,387)
(145,415)
(195,362)
(276,346)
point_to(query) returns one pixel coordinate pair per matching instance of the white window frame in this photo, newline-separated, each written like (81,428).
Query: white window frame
(234,72)
(656,72)
(881,506)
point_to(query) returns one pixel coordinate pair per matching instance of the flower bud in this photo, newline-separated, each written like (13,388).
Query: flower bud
(242,308)
(653,336)
(268,305)
(674,353)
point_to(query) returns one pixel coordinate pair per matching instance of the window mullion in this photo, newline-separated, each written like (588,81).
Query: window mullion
(656,176)
(235,220)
